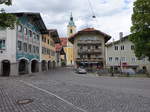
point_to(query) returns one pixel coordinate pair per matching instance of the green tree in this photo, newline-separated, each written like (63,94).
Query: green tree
(7,20)
(141,28)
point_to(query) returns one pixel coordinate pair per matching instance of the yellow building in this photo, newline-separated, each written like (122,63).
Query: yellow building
(71,29)
(48,55)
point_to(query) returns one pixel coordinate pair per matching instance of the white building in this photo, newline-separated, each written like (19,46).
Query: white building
(120,54)
(20,48)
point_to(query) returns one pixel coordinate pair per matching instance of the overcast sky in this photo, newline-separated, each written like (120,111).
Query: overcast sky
(112,16)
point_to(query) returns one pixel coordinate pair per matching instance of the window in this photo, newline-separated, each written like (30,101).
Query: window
(81,56)
(2,44)
(122,47)
(25,47)
(96,47)
(116,47)
(81,47)
(30,48)
(44,50)
(133,59)
(110,59)
(132,47)
(20,28)
(123,59)
(30,32)
(34,49)
(38,38)
(25,31)
(43,39)
(37,50)
(48,41)
(71,31)
(116,59)
(19,45)
(52,53)
(52,43)
(89,56)
(34,36)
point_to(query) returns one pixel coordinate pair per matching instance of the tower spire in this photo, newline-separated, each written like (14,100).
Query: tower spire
(71,17)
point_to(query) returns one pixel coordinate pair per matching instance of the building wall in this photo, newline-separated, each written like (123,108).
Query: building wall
(10,45)
(127,55)
(86,37)
(9,51)
(31,37)
(70,55)
(48,51)
(49,45)
(18,41)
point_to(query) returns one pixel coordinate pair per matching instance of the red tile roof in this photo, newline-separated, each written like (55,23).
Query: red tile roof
(63,41)
(89,30)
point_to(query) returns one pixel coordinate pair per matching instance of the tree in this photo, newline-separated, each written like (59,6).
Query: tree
(141,28)
(7,2)
(7,20)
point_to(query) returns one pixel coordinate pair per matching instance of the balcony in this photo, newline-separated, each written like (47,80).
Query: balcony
(90,59)
(90,51)
(85,42)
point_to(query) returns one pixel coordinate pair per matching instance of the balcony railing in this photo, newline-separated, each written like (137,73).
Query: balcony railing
(84,51)
(90,59)
(89,42)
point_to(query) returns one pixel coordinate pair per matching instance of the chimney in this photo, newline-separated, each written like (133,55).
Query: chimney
(121,35)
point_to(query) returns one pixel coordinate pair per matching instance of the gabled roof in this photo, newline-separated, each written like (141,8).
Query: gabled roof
(59,48)
(89,31)
(118,41)
(37,19)
(54,35)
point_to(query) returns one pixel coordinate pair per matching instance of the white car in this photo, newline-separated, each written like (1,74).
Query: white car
(81,71)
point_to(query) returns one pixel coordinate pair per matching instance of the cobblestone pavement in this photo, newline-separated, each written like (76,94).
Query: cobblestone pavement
(63,90)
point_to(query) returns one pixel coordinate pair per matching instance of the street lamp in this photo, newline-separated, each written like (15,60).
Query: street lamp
(121,36)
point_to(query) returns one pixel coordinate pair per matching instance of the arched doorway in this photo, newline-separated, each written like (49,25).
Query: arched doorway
(5,68)
(34,66)
(49,65)
(44,65)
(23,66)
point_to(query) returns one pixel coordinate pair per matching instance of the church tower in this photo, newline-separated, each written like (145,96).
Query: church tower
(71,29)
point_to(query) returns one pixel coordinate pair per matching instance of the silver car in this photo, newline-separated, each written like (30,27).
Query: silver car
(81,71)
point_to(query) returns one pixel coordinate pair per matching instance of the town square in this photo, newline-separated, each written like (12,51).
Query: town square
(67,57)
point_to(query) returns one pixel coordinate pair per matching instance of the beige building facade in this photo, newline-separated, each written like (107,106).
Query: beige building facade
(89,48)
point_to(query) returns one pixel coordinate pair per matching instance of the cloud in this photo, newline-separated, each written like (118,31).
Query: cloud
(112,16)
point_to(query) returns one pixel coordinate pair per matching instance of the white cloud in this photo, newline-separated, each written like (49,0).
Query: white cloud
(113,16)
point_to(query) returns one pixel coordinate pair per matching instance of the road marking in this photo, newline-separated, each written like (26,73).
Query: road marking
(43,90)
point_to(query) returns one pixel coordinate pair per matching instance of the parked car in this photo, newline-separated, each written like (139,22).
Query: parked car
(81,71)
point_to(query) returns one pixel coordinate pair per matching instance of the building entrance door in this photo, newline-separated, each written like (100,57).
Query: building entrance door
(5,68)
